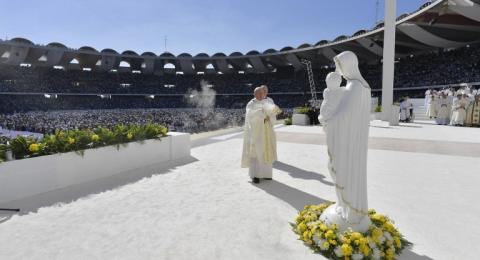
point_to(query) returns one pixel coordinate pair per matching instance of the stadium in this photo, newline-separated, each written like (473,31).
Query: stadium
(47,91)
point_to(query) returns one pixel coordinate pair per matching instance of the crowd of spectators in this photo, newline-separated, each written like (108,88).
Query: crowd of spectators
(190,120)
(23,103)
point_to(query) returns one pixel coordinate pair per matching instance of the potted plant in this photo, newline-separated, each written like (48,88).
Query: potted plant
(300,116)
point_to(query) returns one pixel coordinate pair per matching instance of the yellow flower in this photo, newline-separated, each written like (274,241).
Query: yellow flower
(389,227)
(356,236)
(347,249)
(95,138)
(330,234)
(307,235)
(398,243)
(326,245)
(323,227)
(378,217)
(376,233)
(71,140)
(34,148)
(332,241)
(390,253)
(364,249)
(129,136)
(302,227)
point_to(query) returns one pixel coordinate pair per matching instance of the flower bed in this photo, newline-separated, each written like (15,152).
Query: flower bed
(56,176)
(79,140)
(381,241)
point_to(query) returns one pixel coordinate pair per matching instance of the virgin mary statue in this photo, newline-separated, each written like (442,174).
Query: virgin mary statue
(345,114)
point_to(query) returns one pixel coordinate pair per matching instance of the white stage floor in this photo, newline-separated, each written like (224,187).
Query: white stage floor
(209,209)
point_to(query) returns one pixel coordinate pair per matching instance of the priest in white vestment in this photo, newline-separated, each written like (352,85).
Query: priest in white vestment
(432,106)
(459,113)
(345,112)
(259,148)
(442,108)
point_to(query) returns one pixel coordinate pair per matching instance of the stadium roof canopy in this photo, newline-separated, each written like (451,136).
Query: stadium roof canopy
(435,25)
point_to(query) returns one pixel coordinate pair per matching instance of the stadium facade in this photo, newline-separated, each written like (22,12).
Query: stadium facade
(438,24)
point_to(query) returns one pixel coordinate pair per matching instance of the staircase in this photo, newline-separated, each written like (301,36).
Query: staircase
(420,114)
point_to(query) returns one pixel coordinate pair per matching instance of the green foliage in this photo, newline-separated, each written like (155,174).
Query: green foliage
(3,152)
(288,121)
(19,147)
(302,110)
(79,140)
(378,109)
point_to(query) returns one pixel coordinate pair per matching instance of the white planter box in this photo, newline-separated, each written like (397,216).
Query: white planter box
(376,116)
(24,178)
(394,118)
(300,119)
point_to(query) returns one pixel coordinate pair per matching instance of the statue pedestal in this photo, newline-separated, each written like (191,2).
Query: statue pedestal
(330,216)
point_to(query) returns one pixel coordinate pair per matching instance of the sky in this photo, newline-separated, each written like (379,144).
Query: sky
(192,26)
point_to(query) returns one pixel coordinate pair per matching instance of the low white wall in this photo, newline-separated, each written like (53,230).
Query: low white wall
(24,178)
(300,119)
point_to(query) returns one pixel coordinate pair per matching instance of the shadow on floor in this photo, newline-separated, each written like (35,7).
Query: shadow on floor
(5,218)
(72,193)
(296,172)
(411,126)
(379,126)
(296,198)
(408,254)
(215,139)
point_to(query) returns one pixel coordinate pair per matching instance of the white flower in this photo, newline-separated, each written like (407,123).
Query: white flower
(316,239)
(357,256)
(321,245)
(376,253)
(372,244)
(388,236)
(338,251)
(381,239)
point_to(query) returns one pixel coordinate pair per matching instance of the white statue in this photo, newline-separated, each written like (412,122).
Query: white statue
(345,114)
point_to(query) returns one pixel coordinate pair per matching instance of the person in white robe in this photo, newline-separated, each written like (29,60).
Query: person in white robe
(459,111)
(427,97)
(406,108)
(272,117)
(432,107)
(450,98)
(259,148)
(442,108)
(345,114)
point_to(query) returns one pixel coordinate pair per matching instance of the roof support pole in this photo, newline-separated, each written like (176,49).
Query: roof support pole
(388,59)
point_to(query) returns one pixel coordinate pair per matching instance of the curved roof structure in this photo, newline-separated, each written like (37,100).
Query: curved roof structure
(109,51)
(436,24)
(57,44)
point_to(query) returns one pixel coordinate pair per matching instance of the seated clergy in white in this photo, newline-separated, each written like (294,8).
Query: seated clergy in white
(259,151)
(346,113)
(405,110)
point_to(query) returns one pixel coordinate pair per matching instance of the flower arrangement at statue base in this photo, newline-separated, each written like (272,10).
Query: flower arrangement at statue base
(381,241)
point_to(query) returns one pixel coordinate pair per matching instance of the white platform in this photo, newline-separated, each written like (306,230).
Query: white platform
(209,209)
(300,119)
(20,179)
